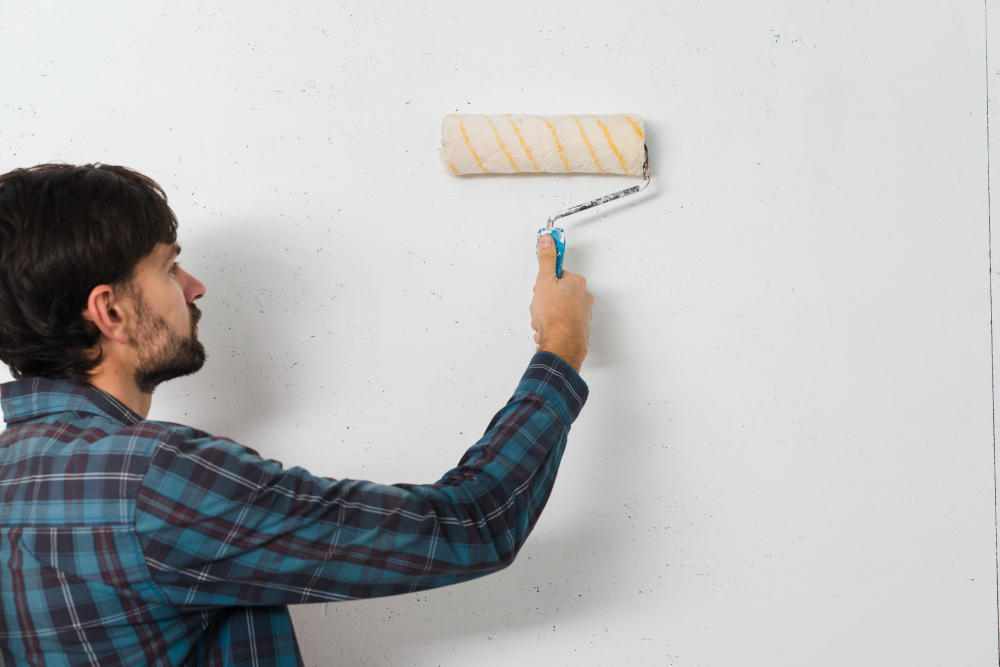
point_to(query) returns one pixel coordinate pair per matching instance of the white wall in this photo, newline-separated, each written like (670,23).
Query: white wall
(787,456)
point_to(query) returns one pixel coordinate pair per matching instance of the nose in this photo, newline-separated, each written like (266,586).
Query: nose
(194,289)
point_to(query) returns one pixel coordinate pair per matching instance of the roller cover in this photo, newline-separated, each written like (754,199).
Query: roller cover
(525,143)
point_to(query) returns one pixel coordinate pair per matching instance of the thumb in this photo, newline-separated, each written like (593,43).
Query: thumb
(546,255)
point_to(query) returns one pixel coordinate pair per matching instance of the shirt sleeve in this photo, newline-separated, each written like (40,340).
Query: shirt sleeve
(220,526)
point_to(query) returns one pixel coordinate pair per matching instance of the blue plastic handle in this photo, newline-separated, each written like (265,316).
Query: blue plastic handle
(559,236)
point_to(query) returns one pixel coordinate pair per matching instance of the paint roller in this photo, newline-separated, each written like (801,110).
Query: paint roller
(527,144)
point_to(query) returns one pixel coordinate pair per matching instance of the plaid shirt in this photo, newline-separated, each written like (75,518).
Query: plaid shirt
(132,542)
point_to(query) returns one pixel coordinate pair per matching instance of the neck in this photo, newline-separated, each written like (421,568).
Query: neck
(115,380)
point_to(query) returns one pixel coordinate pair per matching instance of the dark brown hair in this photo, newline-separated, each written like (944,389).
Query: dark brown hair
(64,230)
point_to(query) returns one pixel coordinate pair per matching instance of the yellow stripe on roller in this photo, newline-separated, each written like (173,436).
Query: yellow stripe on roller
(584,135)
(558,145)
(452,166)
(500,143)
(469,144)
(612,144)
(633,125)
(521,139)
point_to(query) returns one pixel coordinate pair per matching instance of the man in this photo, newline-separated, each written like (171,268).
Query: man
(130,542)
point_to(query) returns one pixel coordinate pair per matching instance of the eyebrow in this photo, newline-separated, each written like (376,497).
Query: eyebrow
(175,250)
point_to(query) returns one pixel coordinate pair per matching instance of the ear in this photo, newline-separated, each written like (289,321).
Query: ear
(106,312)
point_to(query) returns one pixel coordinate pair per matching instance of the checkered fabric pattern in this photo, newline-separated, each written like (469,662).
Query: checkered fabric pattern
(132,542)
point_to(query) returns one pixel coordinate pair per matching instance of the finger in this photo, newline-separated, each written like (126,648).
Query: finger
(546,256)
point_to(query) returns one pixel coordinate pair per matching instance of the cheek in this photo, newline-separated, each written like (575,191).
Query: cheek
(171,298)
(179,300)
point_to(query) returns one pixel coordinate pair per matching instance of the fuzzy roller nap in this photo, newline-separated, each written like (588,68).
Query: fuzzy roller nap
(525,144)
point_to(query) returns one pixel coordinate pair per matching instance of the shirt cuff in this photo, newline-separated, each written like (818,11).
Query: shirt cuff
(552,377)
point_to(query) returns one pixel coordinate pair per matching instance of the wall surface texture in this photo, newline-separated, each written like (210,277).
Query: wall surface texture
(787,457)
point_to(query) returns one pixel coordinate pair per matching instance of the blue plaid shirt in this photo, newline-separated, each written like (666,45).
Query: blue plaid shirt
(132,542)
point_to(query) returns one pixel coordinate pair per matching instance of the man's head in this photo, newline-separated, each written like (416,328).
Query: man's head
(87,267)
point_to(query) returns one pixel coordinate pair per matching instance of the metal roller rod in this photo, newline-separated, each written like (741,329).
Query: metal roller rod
(604,200)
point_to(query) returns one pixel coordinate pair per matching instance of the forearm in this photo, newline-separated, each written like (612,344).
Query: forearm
(504,481)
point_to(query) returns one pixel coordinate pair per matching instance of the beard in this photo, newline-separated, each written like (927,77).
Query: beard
(162,353)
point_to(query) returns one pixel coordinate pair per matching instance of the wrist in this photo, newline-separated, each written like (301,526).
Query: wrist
(573,352)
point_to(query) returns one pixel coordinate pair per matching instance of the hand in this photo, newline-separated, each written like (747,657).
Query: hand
(561,309)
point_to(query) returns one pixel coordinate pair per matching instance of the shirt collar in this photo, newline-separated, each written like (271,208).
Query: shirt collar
(34,397)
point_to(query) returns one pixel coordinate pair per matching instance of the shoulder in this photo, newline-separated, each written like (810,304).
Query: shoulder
(190,457)
(182,436)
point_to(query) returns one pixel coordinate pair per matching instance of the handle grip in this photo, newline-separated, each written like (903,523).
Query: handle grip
(559,236)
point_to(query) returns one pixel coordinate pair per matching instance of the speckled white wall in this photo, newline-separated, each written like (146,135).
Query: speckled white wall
(787,457)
